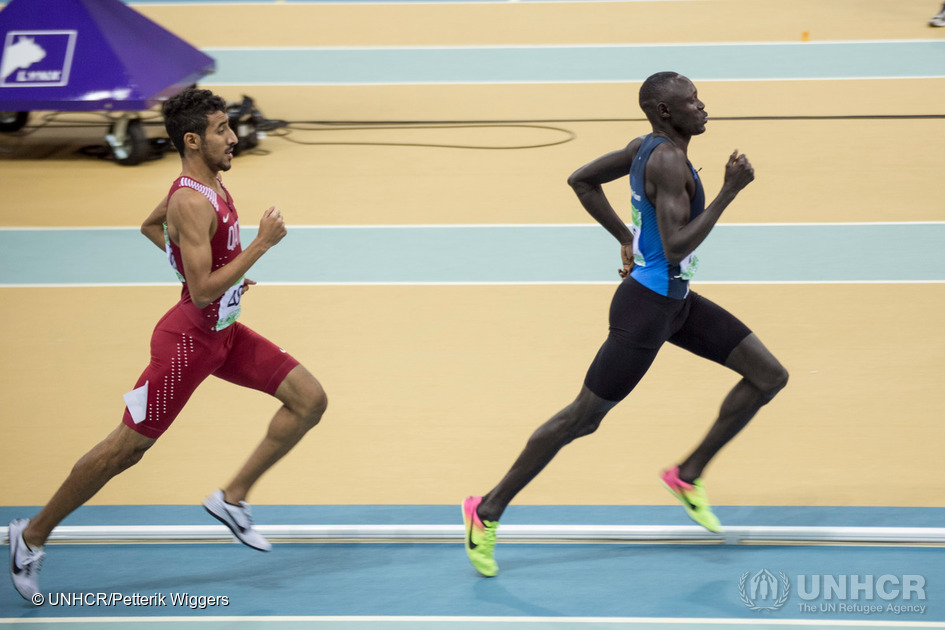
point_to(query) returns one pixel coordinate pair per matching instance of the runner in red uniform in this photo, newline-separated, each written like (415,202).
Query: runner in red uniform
(197,225)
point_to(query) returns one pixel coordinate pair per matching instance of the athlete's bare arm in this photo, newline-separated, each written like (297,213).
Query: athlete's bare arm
(191,224)
(587,184)
(153,226)
(669,185)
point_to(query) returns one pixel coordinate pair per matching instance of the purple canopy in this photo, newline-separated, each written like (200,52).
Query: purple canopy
(83,55)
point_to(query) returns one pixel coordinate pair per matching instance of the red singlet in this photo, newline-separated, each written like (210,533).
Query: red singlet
(189,344)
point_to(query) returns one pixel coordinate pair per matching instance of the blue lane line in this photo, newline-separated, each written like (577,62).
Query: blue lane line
(570,64)
(492,254)
(549,581)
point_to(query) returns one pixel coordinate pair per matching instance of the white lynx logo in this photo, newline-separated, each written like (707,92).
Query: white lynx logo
(21,55)
(37,58)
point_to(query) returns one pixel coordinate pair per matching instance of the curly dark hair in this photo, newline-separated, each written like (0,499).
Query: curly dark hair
(187,112)
(654,90)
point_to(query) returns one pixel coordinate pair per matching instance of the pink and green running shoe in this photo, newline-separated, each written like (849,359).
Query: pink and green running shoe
(693,498)
(479,538)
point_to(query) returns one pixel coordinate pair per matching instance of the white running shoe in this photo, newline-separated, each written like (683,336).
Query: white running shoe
(238,518)
(25,563)
(939,19)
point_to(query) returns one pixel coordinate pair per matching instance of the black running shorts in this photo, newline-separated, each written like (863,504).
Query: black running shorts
(642,320)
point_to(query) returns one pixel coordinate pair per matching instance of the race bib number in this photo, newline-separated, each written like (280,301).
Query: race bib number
(688,266)
(230,306)
(636,226)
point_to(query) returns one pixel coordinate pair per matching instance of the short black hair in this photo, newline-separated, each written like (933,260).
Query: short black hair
(654,90)
(187,112)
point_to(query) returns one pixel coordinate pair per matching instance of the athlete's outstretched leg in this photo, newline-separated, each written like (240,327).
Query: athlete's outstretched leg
(618,367)
(119,451)
(122,449)
(481,514)
(580,418)
(620,363)
(762,378)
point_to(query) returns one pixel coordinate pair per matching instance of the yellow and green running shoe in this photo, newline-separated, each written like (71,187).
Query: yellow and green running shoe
(480,538)
(693,498)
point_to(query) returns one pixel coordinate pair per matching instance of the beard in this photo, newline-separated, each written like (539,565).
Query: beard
(218,164)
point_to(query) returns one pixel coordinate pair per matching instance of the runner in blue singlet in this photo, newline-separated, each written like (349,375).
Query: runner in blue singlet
(651,306)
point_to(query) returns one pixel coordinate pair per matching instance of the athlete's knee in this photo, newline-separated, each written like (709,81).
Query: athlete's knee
(318,405)
(312,404)
(585,429)
(779,381)
(759,367)
(130,453)
(303,396)
(584,416)
(592,408)
(130,458)
(114,456)
(586,425)
(559,431)
(773,381)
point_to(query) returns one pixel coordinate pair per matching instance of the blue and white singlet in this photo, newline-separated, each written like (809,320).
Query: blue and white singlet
(651,269)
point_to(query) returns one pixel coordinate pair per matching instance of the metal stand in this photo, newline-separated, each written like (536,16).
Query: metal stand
(510,533)
(127,140)
(13,121)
